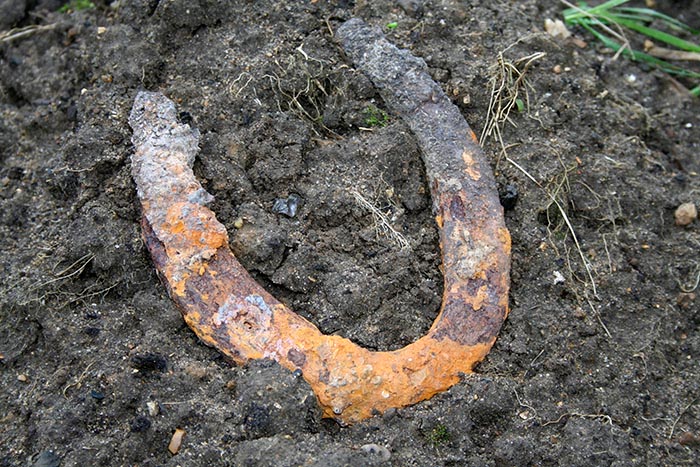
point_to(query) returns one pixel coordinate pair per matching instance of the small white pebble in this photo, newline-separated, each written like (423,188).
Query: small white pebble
(558,278)
(153,408)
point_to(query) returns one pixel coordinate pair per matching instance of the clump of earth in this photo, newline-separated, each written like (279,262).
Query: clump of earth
(597,363)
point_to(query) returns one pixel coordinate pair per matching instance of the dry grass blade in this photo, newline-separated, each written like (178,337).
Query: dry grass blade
(299,86)
(382,223)
(18,33)
(74,269)
(670,54)
(508,88)
(564,216)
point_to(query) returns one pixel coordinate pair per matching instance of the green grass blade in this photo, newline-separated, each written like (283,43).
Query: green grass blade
(641,56)
(646,15)
(658,35)
(584,11)
(653,14)
(606,6)
(610,14)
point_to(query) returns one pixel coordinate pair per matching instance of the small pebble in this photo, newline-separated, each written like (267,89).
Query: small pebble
(153,408)
(97,395)
(23,378)
(509,197)
(176,441)
(558,278)
(287,206)
(556,28)
(376,450)
(685,214)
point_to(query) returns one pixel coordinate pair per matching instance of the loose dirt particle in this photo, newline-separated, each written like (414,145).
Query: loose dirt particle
(685,300)
(689,439)
(196,371)
(149,362)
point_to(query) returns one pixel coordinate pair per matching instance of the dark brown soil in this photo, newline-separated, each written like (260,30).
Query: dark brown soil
(96,364)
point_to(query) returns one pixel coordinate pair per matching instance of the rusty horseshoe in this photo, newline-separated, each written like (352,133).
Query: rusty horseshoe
(228,310)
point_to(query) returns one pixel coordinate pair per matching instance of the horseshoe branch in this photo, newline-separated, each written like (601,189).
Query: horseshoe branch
(228,310)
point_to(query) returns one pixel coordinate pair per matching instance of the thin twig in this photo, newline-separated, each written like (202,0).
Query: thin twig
(605,418)
(79,381)
(527,406)
(682,412)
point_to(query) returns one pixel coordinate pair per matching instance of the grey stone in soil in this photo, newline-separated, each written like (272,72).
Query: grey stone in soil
(47,459)
(287,206)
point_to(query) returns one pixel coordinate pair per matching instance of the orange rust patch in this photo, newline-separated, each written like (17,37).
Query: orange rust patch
(481,295)
(439,221)
(504,238)
(178,287)
(470,165)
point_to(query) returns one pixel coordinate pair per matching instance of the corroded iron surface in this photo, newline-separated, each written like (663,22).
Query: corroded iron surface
(227,309)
